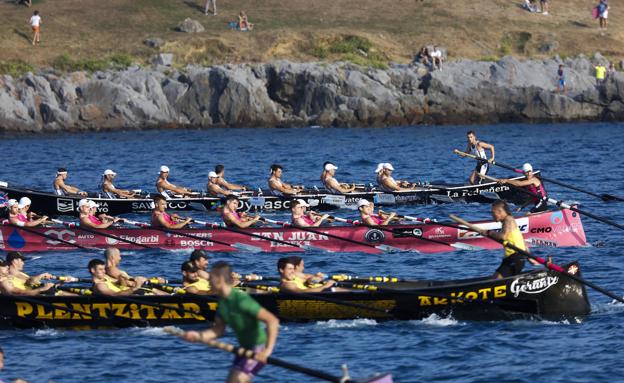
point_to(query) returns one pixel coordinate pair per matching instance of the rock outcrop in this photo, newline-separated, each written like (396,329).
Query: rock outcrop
(294,94)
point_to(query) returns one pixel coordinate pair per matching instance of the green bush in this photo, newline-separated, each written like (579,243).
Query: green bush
(121,61)
(15,68)
(350,44)
(66,63)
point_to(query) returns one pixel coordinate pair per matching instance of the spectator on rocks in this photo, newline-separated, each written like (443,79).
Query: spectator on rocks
(611,70)
(561,85)
(27,3)
(603,14)
(207,7)
(436,58)
(35,24)
(423,57)
(544,5)
(530,5)
(601,74)
(243,22)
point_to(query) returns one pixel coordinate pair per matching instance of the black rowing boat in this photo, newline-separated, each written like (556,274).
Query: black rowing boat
(536,294)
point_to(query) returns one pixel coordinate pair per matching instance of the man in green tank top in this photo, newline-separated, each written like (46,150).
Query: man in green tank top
(245,317)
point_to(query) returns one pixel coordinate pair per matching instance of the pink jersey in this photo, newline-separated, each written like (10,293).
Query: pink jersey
(237,216)
(166,217)
(309,221)
(95,220)
(376,218)
(22,218)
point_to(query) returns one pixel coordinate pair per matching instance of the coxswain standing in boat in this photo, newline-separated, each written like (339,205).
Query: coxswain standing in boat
(109,190)
(478,149)
(331,184)
(232,218)
(61,188)
(368,216)
(105,285)
(166,188)
(160,218)
(292,282)
(246,317)
(18,218)
(512,263)
(215,189)
(220,172)
(88,209)
(279,187)
(301,218)
(122,278)
(533,185)
(388,184)
(191,280)
(19,283)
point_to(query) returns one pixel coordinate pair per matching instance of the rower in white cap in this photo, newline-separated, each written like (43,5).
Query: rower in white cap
(18,218)
(166,188)
(368,216)
(215,189)
(386,182)
(88,209)
(109,190)
(301,218)
(62,189)
(532,184)
(331,184)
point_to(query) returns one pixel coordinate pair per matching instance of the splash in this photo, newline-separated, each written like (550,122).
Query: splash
(437,321)
(333,323)
(47,333)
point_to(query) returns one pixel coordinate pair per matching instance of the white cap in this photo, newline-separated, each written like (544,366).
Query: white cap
(303,203)
(329,167)
(83,202)
(93,204)
(388,166)
(212,175)
(24,201)
(12,202)
(109,172)
(379,167)
(363,202)
(164,169)
(527,168)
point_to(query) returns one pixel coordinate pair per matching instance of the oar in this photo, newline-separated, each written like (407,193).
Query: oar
(345,239)
(562,204)
(73,225)
(354,278)
(49,236)
(603,196)
(233,230)
(239,246)
(272,360)
(540,260)
(414,219)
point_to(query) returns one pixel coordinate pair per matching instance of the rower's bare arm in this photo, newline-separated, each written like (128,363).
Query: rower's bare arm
(339,187)
(272,329)
(389,218)
(489,147)
(232,186)
(217,330)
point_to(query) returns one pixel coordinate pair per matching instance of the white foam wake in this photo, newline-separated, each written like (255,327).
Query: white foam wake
(333,323)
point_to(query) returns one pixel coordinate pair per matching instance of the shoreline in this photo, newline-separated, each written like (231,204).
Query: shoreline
(287,94)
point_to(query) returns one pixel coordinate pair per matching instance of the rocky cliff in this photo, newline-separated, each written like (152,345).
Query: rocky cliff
(293,94)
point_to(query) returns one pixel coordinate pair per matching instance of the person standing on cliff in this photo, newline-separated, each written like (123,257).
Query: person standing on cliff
(561,85)
(601,74)
(207,7)
(603,14)
(35,24)
(544,5)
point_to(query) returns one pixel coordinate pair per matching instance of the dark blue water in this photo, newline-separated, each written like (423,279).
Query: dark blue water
(435,349)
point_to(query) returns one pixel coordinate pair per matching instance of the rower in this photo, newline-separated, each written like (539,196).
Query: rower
(160,218)
(513,262)
(105,285)
(200,260)
(232,218)
(191,280)
(113,260)
(215,189)
(220,172)
(19,283)
(302,219)
(291,282)
(109,190)
(19,218)
(478,149)
(88,209)
(255,327)
(311,280)
(386,182)
(62,189)
(279,187)
(331,184)
(368,216)
(166,188)
(533,185)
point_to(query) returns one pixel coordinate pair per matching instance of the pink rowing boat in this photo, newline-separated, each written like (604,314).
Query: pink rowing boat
(558,228)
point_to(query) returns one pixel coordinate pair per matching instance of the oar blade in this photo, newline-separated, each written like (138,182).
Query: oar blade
(383,378)
(246,247)
(390,249)
(465,246)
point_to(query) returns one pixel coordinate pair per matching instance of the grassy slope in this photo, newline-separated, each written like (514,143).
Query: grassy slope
(293,28)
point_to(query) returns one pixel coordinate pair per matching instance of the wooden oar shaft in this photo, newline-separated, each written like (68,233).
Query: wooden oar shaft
(551,266)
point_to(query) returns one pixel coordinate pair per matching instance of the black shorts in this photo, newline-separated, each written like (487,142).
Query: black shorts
(540,206)
(511,265)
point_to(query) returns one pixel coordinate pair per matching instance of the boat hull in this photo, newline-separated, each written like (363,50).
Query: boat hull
(532,295)
(558,228)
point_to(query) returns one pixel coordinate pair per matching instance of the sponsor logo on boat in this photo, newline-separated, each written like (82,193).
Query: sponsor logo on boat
(375,235)
(65,205)
(142,206)
(63,234)
(540,242)
(462,193)
(523,225)
(144,239)
(556,217)
(486,293)
(102,207)
(439,233)
(533,286)
(384,199)
(337,200)
(295,237)
(536,230)
(90,311)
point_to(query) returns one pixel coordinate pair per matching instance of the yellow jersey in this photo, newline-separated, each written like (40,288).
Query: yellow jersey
(201,285)
(514,238)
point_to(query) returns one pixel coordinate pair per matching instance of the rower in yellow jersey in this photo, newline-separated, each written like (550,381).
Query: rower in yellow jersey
(192,282)
(513,262)
(290,281)
(16,282)
(105,285)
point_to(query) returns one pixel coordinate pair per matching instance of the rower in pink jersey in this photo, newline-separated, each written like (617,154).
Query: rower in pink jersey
(17,218)
(370,218)
(302,219)
(88,219)
(160,218)
(533,185)
(232,218)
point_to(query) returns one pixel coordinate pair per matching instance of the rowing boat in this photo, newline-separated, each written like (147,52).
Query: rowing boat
(52,205)
(535,294)
(557,228)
